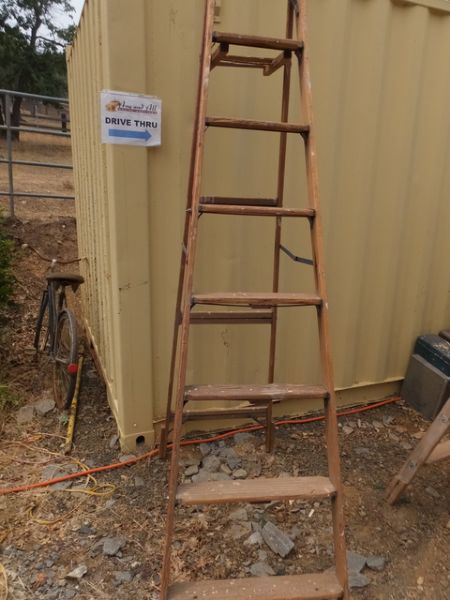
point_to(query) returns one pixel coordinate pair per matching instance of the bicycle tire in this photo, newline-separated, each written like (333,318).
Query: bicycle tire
(41,342)
(65,364)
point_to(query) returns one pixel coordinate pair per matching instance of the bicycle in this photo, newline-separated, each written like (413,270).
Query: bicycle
(56,334)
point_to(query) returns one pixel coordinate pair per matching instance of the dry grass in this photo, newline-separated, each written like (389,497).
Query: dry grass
(42,148)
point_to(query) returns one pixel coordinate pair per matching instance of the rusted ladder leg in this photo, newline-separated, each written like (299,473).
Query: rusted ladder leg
(322,311)
(421,454)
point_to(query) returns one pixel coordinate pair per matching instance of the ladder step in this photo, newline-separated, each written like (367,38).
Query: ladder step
(255,490)
(256,125)
(255,41)
(257,211)
(238,201)
(256,299)
(255,316)
(314,586)
(225,413)
(255,393)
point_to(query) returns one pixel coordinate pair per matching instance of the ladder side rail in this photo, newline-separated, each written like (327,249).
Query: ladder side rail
(186,291)
(420,454)
(280,194)
(322,311)
(177,316)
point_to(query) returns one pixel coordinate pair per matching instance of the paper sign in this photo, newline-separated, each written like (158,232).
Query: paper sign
(132,119)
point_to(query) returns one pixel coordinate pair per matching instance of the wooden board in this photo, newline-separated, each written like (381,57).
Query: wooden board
(256,299)
(253,393)
(256,125)
(320,586)
(256,490)
(255,41)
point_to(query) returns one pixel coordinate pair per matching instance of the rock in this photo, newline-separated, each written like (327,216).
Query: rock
(211,464)
(260,569)
(77,573)
(86,530)
(25,415)
(205,449)
(219,477)
(420,581)
(55,471)
(355,562)
(110,503)
(125,457)
(225,469)
(238,530)
(347,429)
(376,563)
(44,406)
(239,515)
(111,546)
(113,440)
(138,482)
(191,470)
(240,474)
(244,437)
(406,446)
(432,492)
(201,476)
(122,577)
(277,540)
(69,594)
(232,459)
(357,580)
(254,539)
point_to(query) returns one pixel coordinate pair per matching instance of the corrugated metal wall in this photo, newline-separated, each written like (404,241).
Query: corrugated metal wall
(381,87)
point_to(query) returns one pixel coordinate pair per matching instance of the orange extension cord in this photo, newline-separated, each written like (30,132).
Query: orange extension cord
(221,436)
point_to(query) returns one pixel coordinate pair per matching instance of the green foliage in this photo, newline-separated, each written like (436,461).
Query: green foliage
(6,277)
(32,46)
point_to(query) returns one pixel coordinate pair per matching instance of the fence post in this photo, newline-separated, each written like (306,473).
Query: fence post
(9,148)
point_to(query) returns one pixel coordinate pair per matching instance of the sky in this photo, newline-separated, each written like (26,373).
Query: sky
(78,6)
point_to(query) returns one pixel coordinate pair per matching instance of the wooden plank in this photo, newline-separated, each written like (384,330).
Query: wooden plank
(250,62)
(256,299)
(320,586)
(255,393)
(255,490)
(251,317)
(228,122)
(257,211)
(240,412)
(255,41)
(238,201)
(441,451)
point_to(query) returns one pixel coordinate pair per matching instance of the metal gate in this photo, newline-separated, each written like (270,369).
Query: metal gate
(6,96)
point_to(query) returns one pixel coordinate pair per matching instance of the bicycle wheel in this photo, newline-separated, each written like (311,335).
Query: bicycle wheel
(42,331)
(65,366)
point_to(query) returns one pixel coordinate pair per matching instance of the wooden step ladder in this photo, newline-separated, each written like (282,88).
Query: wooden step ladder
(429,450)
(248,308)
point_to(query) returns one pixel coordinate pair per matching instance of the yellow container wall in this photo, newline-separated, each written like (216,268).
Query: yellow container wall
(381,90)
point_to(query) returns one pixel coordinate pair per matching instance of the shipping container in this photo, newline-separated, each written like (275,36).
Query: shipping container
(381,94)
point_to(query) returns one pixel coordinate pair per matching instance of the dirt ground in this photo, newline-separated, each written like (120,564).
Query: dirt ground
(111,528)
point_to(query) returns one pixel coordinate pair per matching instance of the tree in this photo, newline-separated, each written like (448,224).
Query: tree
(32,49)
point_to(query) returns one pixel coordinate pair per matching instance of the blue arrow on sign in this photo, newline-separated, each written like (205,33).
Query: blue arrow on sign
(124,133)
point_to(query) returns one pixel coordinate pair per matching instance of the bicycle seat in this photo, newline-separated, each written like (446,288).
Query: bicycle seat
(66,279)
